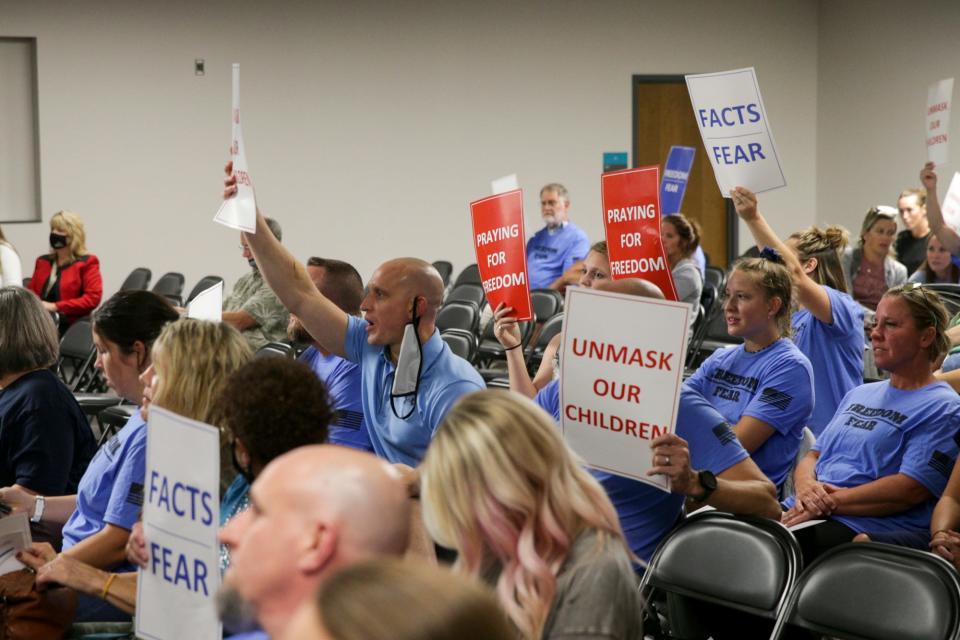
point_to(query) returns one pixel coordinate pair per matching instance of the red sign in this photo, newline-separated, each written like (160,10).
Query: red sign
(499,240)
(631,220)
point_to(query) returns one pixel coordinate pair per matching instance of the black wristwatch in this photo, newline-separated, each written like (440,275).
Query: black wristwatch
(709,483)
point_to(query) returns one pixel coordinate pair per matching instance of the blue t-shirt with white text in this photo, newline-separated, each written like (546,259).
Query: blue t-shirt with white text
(835,352)
(774,385)
(551,253)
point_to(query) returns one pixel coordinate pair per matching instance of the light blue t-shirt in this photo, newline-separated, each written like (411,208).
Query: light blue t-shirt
(549,255)
(774,385)
(646,513)
(880,431)
(342,379)
(444,377)
(835,352)
(111,489)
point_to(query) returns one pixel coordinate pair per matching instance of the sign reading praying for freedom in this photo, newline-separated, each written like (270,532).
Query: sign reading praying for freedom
(735,130)
(181,514)
(498,238)
(631,221)
(239,211)
(621,379)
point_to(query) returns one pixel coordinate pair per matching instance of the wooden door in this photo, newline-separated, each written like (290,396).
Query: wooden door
(663,117)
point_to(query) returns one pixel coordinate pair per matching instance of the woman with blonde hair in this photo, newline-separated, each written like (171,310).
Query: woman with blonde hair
(871,267)
(68,278)
(412,601)
(828,323)
(501,487)
(191,361)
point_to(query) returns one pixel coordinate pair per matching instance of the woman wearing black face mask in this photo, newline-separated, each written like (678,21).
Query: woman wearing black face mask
(68,278)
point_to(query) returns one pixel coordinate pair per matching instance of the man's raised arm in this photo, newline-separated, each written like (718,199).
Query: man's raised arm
(324,320)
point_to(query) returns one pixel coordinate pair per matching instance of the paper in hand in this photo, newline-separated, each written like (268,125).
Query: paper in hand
(208,305)
(239,211)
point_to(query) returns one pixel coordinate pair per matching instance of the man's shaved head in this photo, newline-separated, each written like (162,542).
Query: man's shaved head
(631,287)
(417,277)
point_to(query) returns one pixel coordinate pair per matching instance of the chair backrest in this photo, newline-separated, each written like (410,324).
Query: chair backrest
(740,562)
(273,349)
(550,328)
(470,275)
(949,294)
(461,342)
(468,293)
(169,284)
(877,591)
(138,280)
(445,269)
(546,304)
(205,283)
(77,355)
(715,276)
(458,315)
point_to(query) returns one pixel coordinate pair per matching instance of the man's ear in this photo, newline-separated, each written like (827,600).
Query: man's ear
(320,550)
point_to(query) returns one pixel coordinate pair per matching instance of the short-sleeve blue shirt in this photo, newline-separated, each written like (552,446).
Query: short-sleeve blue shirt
(835,352)
(111,490)
(774,385)
(550,254)
(646,513)
(880,431)
(444,377)
(342,379)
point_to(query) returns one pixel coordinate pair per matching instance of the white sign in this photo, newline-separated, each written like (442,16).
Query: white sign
(621,379)
(504,184)
(181,514)
(240,211)
(208,304)
(939,96)
(14,537)
(951,204)
(735,130)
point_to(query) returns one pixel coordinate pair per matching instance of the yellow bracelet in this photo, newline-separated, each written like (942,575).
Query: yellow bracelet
(106,587)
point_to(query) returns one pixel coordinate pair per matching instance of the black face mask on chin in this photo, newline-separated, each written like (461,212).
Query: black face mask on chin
(58,241)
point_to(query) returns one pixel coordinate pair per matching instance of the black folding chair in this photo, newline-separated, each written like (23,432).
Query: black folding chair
(77,355)
(112,419)
(170,285)
(534,352)
(467,293)
(276,349)
(546,304)
(872,591)
(445,269)
(138,280)
(459,315)
(470,275)
(716,277)
(461,342)
(205,283)
(949,294)
(490,348)
(711,310)
(737,562)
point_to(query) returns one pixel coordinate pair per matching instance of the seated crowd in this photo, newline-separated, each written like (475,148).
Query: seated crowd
(376,488)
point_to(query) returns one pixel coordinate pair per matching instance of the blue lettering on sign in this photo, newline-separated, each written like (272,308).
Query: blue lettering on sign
(735,154)
(180,498)
(676,172)
(176,569)
(730,116)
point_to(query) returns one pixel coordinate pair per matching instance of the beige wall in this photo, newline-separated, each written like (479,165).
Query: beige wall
(371,125)
(876,60)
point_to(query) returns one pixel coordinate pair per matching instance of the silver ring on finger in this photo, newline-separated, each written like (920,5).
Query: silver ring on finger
(667,463)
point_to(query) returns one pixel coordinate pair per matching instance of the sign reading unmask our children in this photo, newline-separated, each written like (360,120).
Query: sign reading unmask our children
(735,130)
(181,514)
(621,379)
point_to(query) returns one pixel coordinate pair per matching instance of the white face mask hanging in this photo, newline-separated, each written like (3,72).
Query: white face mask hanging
(406,379)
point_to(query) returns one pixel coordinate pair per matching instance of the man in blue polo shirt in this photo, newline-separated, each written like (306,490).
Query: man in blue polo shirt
(558,246)
(402,299)
(342,285)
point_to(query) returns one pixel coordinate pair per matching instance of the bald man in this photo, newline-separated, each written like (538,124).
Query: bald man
(312,511)
(401,292)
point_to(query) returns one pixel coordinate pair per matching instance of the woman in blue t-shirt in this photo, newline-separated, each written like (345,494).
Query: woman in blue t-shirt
(763,387)
(828,325)
(882,462)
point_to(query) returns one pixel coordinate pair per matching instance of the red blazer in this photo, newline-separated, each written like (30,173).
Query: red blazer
(81,286)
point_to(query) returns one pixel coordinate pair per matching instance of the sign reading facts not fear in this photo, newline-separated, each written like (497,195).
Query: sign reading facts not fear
(622,372)
(631,221)
(735,130)
(499,240)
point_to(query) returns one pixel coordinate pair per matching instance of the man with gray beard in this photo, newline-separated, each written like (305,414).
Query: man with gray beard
(560,245)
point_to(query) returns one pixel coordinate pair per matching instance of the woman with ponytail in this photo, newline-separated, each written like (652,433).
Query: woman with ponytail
(681,237)
(828,324)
